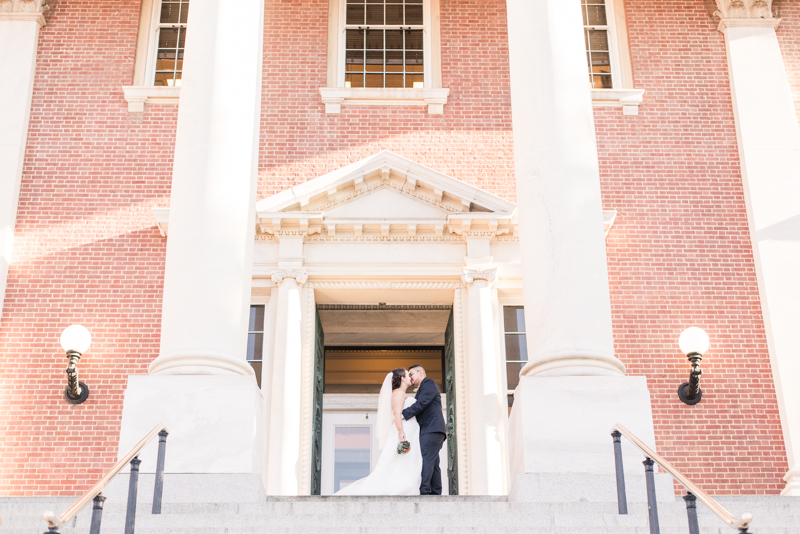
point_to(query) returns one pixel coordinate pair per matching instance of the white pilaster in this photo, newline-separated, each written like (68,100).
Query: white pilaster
(19,39)
(769,151)
(485,395)
(565,278)
(212,206)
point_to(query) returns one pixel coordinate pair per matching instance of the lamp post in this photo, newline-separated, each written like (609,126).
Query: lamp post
(694,343)
(75,341)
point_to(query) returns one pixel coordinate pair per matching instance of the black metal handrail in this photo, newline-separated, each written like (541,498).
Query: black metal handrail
(95,494)
(692,491)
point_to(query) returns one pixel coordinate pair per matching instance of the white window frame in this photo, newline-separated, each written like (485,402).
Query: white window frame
(152,43)
(335,95)
(426,43)
(613,45)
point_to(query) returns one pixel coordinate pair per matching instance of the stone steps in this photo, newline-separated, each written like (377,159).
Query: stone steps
(421,515)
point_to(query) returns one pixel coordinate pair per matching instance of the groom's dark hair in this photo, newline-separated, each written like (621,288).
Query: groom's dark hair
(415,366)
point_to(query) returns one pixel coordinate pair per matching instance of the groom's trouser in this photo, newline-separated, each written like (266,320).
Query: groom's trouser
(430,444)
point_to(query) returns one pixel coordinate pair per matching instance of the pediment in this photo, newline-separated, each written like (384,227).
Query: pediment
(386,170)
(386,203)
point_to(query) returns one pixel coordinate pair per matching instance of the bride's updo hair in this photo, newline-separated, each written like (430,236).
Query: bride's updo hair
(397,377)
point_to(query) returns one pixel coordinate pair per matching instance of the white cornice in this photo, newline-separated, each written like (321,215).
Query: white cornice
(24,10)
(335,97)
(724,24)
(137,96)
(627,99)
(24,17)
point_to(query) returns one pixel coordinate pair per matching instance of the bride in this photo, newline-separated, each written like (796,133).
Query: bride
(395,474)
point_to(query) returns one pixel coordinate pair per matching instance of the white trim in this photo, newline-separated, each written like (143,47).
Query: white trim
(24,17)
(138,96)
(627,99)
(747,23)
(335,97)
(307,391)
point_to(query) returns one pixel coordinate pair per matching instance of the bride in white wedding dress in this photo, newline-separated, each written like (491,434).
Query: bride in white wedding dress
(394,474)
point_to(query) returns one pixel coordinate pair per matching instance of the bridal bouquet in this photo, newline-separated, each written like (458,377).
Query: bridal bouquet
(403,447)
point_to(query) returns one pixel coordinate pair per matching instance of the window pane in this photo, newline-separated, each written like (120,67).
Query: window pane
(184,12)
(375,15)
(600,62)
(373,80)
(413,15)
(394,62)
(351,447)
(394,80)
(355,14)
(415,81)
(354,60)
(170,13)
(602,81)
(514,318)
(355,39)
(257,369)
(598,40)
(256,323)
(413,1)
(596,15)
(168,38)
(374,61)
(394,39)
(516,347)
(354,80)
(413,39)
(394,14)
(512,374)
(164,79)
(374,39)
(414,61)
(255,345)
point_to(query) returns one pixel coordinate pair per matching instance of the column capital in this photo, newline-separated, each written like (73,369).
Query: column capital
(299,275)
(471,274)
(24,10)
(745,13)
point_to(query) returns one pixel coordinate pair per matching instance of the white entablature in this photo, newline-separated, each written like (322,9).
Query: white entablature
(385,196)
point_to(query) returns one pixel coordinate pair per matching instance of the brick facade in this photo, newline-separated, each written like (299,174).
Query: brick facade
(679,254)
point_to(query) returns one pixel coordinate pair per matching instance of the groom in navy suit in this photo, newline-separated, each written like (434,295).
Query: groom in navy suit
(432,432)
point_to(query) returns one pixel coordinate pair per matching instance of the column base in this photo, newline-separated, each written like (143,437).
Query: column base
(199,363)
(216,423)
(563,424)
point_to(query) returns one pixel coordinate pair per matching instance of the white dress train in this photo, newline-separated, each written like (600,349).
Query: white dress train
(394,474)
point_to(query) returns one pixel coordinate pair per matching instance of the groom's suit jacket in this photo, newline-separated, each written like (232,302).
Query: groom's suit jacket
(427,409)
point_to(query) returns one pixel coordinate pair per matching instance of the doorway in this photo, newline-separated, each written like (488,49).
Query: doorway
(356,346)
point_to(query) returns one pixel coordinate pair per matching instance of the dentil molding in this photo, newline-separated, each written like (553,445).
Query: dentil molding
(300,276)
(24,10)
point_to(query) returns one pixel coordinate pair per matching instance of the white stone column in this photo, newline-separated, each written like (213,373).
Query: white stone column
(769,151)
(212,204)
(283,470)
(562,246)
(484,393)
(573,388)
(19,39)
(216,422)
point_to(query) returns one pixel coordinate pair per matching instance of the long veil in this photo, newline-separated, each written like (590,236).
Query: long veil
(384,422)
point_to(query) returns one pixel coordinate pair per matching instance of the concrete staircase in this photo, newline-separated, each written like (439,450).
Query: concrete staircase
(393,515)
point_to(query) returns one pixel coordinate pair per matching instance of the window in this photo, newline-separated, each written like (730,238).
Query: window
(167,42)
(516,347)
(597,32)
(384,44)
(255,339)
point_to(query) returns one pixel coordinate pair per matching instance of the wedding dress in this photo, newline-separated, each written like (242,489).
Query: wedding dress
(394,474)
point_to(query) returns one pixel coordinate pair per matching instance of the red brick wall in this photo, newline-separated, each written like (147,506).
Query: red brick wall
(679,254)
(86,251)
(470,142)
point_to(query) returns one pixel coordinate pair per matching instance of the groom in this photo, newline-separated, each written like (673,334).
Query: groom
(432,432)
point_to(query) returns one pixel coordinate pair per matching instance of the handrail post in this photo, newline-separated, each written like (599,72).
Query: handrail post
(97,513)
(652,507)
(133,488)
(622,498)
(691,512)
(158,489)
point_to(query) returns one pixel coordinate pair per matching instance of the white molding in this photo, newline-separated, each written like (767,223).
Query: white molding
(137,96)
(627,99)
(162,220)
(384,284)
(336,97)
(461,391)
(307,393)
(24,17)
(609,216)
(747,23)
